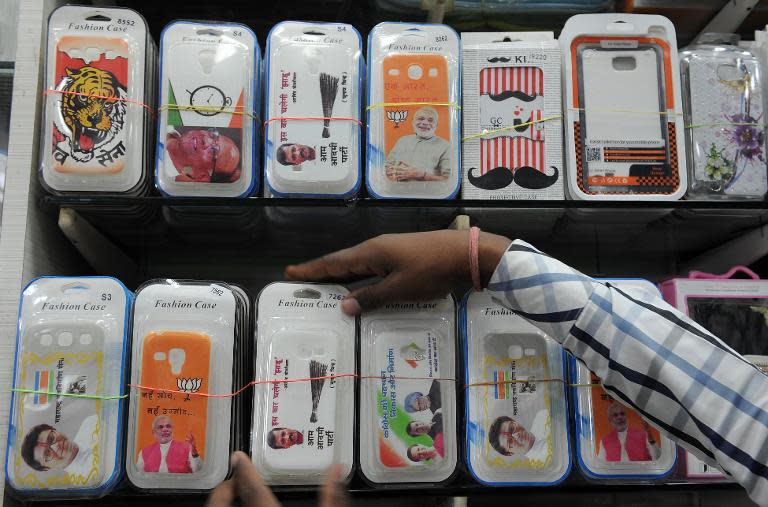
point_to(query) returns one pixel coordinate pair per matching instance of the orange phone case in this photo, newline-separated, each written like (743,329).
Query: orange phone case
(430,88)
(189,414)
(601,400)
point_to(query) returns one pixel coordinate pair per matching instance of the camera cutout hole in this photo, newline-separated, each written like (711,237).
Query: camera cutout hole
(624,63)
(65,339)
(176,357)
(306,294)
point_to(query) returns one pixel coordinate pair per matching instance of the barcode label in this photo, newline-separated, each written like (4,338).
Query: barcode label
(593,154)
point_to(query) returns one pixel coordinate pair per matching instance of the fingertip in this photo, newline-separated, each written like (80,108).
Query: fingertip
(291,272)
(334,473)
(237,459)
(351,306)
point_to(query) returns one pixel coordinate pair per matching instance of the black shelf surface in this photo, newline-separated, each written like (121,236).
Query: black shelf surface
(121,200)
(185,237)
(573,495)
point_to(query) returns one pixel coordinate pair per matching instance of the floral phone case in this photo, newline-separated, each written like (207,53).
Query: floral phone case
(726,137)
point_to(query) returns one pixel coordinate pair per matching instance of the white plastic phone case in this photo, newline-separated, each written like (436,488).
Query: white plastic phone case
(304,402)
(209,104)
(72,341)
(313,129)
(408,393)
(516,411)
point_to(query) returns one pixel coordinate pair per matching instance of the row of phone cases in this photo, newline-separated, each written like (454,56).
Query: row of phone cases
(194,339)
(69,415)
(621,71)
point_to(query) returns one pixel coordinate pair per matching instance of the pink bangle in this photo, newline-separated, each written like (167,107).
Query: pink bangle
(474,261)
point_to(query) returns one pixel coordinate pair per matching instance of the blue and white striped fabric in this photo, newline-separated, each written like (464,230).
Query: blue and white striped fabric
(682,379)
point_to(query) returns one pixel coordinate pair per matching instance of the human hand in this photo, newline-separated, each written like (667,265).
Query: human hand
(191,441)
(248,486)
(409,174)
(413,266)
(647,429)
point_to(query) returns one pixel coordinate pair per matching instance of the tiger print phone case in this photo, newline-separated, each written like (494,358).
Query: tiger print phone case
(97,89)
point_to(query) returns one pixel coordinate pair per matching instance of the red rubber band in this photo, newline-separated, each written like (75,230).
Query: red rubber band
(116,99)
(474,261)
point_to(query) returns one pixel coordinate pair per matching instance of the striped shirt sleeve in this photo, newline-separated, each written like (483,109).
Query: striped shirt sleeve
(679,377)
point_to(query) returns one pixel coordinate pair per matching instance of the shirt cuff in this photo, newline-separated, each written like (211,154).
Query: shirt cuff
(540,289)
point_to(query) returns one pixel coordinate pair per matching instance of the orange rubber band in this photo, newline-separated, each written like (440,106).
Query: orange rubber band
(115,99)
(281,381)
(313,118)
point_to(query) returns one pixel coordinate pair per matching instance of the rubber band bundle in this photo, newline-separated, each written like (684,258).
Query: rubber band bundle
(192,348)
(624,123)
(725,120)
(99,89)
(300,428)
(512,116)
(66,420)
(408,393)
(313,131)
(613,442)
(516,410)
(210,94)
(414,101)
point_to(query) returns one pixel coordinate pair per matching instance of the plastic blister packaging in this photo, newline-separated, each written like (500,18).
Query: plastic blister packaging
(184,339)
(99,89)
(624,120)
(208,127)
(314,78)
(733,310)
(66,430)
(512,116)
(414,116)
(408,392)
(516,406)
(613,443)
(306,422)
(724,112)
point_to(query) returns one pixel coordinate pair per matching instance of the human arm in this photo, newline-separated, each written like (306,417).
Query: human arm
(140,462)
(652,358)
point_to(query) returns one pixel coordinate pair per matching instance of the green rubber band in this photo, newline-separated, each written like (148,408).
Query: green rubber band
(725,124)
(71,395)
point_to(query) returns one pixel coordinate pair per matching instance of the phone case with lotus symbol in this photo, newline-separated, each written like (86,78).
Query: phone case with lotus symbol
(174,387)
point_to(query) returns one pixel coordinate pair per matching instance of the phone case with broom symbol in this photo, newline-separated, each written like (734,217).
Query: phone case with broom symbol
(304,400)
(312,141)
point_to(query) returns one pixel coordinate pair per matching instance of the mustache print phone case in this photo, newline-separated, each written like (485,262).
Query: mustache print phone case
(509,99)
